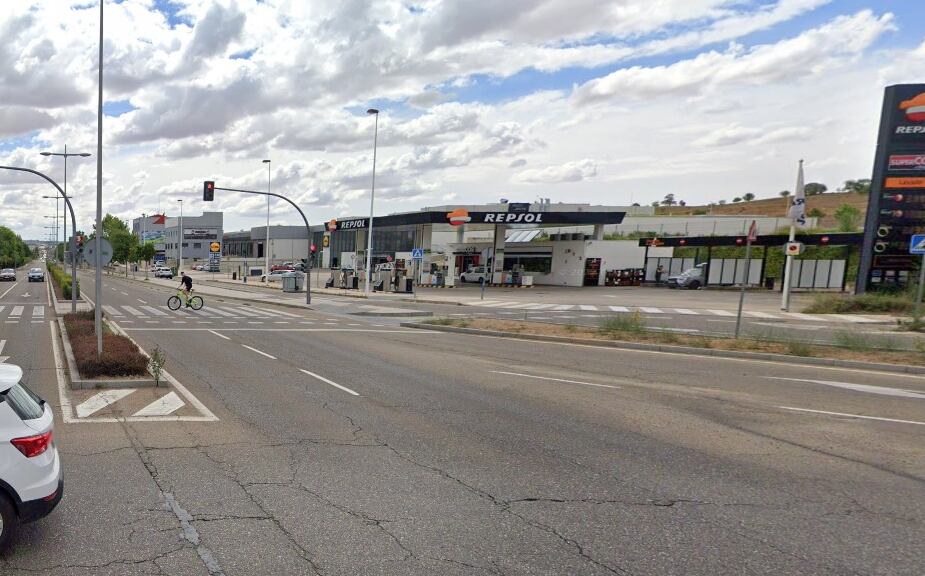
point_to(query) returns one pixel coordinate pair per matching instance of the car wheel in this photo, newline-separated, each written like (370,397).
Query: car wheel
(693,285)
(9,523)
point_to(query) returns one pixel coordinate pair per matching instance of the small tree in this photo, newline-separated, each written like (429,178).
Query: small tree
(815,188)
(816,213)
(748,197)
(722,202)
(784,193)
(848,218)
(146,253)
(736,199)
(669,201)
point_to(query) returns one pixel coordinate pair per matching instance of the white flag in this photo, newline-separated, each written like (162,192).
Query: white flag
(797,211)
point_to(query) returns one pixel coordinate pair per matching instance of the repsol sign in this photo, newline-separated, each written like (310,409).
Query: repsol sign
(351,224)
(511,218)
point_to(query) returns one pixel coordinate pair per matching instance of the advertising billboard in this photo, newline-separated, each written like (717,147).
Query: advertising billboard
(200,233)
(896,209)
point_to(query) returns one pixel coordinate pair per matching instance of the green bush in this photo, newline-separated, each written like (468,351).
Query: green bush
(62,279)
(120,356)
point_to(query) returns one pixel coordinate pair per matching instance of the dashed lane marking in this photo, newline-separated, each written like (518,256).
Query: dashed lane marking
(556,379)
(219,335)
(881,390)
(858,416)
(326,381)
(252,349)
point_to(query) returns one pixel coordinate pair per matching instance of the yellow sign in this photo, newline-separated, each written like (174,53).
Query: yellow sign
(905,182)
(215,247)
(326,241)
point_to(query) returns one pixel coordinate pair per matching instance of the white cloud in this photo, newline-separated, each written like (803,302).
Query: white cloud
(569,172)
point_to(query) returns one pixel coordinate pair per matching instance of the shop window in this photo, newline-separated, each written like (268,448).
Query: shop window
(530,264)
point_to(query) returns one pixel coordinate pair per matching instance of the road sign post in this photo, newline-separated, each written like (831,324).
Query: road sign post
(917,246)
(752,236)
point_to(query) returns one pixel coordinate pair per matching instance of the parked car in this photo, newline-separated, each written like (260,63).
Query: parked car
(474,274)
(31,484)
(287,267)
(692,278)
(199,267)
(276,275)
(36,275)
(7,274)
(163,273)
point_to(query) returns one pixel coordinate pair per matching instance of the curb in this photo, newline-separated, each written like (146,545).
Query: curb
(89,384)
(770,357)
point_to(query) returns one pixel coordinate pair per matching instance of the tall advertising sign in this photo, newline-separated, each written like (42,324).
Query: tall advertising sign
(896,209)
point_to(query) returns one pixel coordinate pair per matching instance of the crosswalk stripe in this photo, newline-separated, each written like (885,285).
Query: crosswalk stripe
(154,311)
(587,307)
(111,310)
(619,308)
(686,311)
(224,313)
(755,314)
(38,311)
(99,401)
(544,306)
(564,307)
(249,313)
(648,310)
(279,313)
(16,311)
(167,404)
(521,305)
(134,311)
(726,313)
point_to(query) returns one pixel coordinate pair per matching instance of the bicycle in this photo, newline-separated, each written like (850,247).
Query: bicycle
(174,302)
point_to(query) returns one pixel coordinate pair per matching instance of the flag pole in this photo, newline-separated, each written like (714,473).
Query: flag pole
(797,214)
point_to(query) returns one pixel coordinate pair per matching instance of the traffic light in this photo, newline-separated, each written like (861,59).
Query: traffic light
(314,248)
(80,244)
(208,191)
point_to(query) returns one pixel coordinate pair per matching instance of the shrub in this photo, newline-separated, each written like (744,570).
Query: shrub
(872,302)
(120,356)
(631,322)
(798,348)
(61,279)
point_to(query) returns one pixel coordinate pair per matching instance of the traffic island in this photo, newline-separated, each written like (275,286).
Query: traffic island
(122,364)
(627,332)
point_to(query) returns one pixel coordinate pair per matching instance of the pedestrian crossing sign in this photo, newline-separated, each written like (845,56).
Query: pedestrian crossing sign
(917,244)
(417,253)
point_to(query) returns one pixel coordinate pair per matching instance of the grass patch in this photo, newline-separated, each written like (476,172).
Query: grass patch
(878,303)
(120,356)
(631,322)
(797,348)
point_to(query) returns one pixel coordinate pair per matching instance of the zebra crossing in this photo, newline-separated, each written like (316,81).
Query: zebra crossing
(656,311)
(124,313)
(14,314)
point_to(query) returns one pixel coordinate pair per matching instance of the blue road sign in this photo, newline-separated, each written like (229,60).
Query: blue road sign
(917,244)
(417,253)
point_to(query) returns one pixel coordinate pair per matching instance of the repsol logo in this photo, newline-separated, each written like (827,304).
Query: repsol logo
(508,218)
(352,224)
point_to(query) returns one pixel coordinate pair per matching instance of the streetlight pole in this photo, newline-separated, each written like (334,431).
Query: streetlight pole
(66,155)
(98,312)
(266,246)
(143,242)
(180,243)
(372,200)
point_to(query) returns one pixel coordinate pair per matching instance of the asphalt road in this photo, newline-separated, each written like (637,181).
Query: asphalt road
(351,446)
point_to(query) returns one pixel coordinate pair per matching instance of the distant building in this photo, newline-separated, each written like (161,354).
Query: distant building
(199,232)
(151,229)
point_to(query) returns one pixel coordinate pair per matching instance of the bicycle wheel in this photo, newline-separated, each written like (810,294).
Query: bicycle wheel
(173,303)
(195,302)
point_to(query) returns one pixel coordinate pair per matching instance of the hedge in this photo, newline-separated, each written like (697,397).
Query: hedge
(120,356)
(62,279)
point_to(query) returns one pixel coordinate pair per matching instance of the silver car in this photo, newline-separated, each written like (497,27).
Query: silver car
(8,274)
(36,275)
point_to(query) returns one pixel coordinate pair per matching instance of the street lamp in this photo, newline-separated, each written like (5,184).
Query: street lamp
(65,155)
(180,244)
(143,218)
(372,199)
(266,247)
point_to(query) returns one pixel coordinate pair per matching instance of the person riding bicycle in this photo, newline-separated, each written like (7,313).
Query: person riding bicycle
(186,283)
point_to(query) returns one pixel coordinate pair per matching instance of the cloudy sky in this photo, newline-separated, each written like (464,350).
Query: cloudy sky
(601,101)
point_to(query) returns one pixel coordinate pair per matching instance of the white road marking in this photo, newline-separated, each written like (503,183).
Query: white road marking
(134,311)
(224,313)
(859,416)
(619,308)
(8,289)
(721,312)
(3,358)
(38,312)
(99,401)
(882,390)
(686,311)
(142,301)
(244,312)
(219,335)
(326,381)
(16,311)
(587,307)
(123,293)
(497,305)
(166,404)
(649,310)
(564,307)
(278,312)
(111,310)
(155,311)
(259,352)
(754,314)
(556,379)
(543,306)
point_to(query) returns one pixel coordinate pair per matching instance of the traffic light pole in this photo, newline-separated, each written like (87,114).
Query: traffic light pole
(67,201)
(308,231)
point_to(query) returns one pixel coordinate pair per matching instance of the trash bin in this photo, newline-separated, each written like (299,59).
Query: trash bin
(234,275)
(292,282)
(769,283)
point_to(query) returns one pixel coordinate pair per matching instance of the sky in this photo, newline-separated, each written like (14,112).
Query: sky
(598,101)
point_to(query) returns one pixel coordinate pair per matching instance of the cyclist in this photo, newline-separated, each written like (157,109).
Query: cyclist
(186,283)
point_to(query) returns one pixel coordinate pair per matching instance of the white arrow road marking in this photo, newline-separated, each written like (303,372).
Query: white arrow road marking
(882,390)
(878,418)
(25,294)
(167,404)
(555,379)
(99,401)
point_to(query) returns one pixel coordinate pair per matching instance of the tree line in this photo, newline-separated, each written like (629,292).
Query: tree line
(13,251)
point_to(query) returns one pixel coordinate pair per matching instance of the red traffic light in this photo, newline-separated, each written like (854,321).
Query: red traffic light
(314,248)
(208,191)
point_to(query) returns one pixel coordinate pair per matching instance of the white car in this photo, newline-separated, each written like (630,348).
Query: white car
(163,273)
(31,484)
(36,275)
(474,274)
(276,275)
